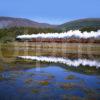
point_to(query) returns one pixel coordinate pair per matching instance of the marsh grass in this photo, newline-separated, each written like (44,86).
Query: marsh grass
(71,77)
(67,85)
(44,82)
(28,81)
(35,91)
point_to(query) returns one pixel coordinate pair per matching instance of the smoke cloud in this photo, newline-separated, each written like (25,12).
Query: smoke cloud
(66,61)
(69,34)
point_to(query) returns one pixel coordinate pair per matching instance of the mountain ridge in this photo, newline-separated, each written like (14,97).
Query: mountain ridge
(80,23)
(7,22)
(91,24)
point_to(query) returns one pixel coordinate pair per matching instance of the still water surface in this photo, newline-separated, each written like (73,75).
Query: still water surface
(32,75)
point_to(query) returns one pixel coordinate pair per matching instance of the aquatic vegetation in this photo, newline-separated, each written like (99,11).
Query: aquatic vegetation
(70,77)
(35,91)
(67,85)
(28,81)
(44,82)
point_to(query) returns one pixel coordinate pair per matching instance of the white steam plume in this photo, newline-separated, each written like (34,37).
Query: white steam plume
(76,34)
(66,61)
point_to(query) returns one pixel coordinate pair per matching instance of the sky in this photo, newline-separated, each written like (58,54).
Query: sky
(50,11)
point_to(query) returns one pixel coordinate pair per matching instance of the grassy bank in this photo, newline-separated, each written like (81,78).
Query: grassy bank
(56,49)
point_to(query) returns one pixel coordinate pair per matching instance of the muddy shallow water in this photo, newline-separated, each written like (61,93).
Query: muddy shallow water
(28,73)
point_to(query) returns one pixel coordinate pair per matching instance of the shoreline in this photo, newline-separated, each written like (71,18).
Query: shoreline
(53,48)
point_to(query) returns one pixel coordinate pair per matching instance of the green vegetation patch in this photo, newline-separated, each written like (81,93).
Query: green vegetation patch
(44,82)
(71,77)
(67,85)
(35,91)
(28,81)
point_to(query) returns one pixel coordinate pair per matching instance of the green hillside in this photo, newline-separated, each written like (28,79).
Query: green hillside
(88,24)
(9,34)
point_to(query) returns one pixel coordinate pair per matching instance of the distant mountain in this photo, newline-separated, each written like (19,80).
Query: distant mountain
(80,24)
(7,22)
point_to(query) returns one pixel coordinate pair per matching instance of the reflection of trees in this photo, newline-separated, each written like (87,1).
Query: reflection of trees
(7,52)
(82,69)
